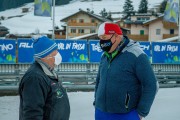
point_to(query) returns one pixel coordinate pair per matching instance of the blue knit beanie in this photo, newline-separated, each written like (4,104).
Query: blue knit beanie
(43,46)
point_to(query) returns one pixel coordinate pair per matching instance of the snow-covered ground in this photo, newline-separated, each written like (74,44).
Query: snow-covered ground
(166,106)
(31,24)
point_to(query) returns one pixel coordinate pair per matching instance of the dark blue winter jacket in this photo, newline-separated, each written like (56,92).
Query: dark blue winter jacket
(125,81)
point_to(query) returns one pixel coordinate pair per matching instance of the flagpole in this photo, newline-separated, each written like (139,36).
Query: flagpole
(53,19)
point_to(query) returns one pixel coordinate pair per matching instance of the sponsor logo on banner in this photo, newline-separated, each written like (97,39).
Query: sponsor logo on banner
(25,45)
(6,47)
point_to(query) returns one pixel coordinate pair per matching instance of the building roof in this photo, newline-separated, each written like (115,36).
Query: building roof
(133,22)
(145,14)
(88,13)
(152,20)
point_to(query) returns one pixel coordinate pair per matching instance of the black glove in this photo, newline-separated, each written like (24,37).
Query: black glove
(94,103)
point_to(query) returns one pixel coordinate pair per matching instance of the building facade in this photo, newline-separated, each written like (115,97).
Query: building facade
(82,23)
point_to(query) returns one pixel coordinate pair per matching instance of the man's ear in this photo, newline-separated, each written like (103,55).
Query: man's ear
(103,36)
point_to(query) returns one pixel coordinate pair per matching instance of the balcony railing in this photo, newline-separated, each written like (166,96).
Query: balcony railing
(60,36)
(169,25)
(169,35)
(138,37)
(82,24)
(75,34)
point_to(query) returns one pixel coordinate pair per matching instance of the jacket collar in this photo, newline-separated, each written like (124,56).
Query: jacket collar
(47,70)
(120,47)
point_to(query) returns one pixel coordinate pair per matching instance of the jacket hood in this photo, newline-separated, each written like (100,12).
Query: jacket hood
(131,44)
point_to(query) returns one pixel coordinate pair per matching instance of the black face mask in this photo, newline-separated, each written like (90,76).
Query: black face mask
(106,44)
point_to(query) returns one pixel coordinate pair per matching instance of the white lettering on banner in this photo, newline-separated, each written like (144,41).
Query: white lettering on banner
(68,46)
(163,48)
(170,48)
(78,46)
(145,47)
(25,45)
(60,46)
(96,47)
(7,47)
(157,48)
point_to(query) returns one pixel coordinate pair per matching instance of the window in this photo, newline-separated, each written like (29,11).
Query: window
(60,33)
(81,20)
(171,31)
(158,31)
(81,30)
(73,20)
(143,18)
(141,32)
(92,20)
(73,30)
(121,24)
(92,31)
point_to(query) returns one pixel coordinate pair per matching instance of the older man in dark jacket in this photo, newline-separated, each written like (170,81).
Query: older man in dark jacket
(42,96)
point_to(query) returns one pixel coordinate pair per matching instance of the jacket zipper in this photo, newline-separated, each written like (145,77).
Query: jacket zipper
(109,65)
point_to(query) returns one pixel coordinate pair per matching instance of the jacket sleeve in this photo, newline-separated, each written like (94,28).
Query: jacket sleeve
(148,81)
(33,94)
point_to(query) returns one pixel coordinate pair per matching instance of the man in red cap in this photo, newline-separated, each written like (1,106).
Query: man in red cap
(125,85)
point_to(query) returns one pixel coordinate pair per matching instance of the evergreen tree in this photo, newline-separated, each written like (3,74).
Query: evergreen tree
(128,7)
(143,6)
(103,13)
(163,6)
(109,16)
(90,11)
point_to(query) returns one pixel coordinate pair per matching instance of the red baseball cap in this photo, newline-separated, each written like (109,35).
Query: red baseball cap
(109,28)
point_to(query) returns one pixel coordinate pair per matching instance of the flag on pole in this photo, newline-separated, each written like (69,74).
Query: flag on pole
(171,12)
(43,8)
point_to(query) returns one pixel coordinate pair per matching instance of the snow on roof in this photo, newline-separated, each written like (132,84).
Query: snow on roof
(148,21)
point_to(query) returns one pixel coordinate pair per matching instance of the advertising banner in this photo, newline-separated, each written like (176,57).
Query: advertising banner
(95,52)
(25,51)
(7,51)
(73,51)
(146,47)
(166,52)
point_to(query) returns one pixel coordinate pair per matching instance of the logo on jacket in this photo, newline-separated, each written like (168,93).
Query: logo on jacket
(59,94)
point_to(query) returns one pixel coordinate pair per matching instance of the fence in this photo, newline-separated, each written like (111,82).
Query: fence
(82,76)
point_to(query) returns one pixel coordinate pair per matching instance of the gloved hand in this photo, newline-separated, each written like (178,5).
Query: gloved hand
(94,103)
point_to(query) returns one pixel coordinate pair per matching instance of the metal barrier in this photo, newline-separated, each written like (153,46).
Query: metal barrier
(81,76)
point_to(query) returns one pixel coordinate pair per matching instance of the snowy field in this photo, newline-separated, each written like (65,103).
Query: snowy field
(166,106)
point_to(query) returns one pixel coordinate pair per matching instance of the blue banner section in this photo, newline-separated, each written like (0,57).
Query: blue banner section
(146,47)
(73,51)
(95,51)
(7,51)
(82,51)
(25,51)
(167,52)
